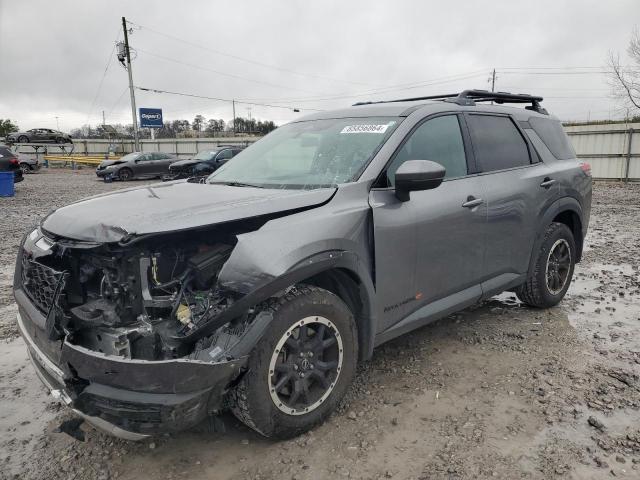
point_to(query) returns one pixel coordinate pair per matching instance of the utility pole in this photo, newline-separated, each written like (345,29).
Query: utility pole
(493,80)
(131,90)
(103,121)
(234,116)
(57,124)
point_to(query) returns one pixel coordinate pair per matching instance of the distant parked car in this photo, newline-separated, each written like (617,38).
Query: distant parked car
(204,163)
(9,163)
(39,135)
(28,164)
(137,165)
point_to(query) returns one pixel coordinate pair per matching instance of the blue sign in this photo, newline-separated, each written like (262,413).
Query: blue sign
(150,117)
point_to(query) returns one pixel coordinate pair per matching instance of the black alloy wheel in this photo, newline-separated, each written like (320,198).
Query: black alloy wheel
(305,365)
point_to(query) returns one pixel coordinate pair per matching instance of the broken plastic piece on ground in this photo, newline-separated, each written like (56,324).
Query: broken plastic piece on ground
(72,428)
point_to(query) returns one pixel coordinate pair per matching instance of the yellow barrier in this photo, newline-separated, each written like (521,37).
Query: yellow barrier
(83,160)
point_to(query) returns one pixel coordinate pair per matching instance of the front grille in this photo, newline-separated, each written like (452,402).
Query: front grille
(40,282)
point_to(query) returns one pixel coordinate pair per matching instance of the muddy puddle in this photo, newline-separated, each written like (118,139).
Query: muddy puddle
(25,406)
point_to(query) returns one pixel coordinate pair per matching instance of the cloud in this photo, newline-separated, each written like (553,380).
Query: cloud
(53,54)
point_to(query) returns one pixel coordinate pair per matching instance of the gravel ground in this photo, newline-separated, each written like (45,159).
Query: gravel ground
(496,391)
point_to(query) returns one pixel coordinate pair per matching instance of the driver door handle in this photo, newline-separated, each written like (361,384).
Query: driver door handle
(472,202)
(547,182)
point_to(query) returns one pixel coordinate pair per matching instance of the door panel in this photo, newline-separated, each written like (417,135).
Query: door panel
(395,256)
(451,224)
(428,247)
(431,246)
(515,203)
(518,189)
(144,166)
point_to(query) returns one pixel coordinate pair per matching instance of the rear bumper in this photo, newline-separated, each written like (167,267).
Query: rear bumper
(131,399)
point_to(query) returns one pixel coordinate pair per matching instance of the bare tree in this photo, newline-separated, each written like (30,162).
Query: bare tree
(625,81)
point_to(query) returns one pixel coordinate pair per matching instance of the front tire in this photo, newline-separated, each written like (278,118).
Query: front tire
(553,270)
(125,174)
(25,167)
(301,368)
(23,139)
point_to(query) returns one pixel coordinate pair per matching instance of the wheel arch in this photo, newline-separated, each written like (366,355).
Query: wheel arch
(571,219)
(337,271)
(565,210)
(348,286)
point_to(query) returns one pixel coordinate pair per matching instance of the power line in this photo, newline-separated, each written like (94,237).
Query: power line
(400,87)
(200,67)
(557,68)
(117,101)
(246,60)
(230,100)
(104,74)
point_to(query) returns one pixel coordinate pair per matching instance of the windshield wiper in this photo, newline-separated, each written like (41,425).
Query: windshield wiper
(236,184)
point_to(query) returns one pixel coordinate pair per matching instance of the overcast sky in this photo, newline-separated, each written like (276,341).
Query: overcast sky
(308,55)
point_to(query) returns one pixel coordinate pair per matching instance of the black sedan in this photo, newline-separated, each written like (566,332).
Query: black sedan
(9,163)
(202,164)
(39,135)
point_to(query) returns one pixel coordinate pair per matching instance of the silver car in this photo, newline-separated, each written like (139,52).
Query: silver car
(39,135)
(136,165)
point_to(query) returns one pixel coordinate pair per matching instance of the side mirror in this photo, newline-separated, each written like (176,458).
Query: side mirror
(414,175)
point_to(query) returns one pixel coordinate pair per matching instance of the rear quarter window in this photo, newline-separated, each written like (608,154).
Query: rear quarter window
(552,134)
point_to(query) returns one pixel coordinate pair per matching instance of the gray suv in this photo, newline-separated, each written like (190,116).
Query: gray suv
(148,309)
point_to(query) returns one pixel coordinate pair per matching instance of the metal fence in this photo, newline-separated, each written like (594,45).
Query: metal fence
(183,147)
(613,150)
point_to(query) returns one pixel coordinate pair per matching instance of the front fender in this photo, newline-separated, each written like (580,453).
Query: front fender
(265,286)
(292,249)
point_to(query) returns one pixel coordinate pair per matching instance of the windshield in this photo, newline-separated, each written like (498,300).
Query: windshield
(207,155)
(130,156)
(312,154)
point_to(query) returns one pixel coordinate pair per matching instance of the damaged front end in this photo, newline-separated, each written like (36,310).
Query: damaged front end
(137,336)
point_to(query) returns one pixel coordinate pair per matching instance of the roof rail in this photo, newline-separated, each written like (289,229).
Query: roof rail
(470,97)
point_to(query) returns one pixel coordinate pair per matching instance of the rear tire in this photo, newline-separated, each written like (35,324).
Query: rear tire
(60,140)
(23,139)
(553,270)
(25,167)
(293,380)
(125,174)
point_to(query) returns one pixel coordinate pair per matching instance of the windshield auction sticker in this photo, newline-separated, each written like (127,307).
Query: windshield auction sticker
(365,129)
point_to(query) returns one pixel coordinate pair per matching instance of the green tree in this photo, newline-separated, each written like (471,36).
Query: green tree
(198,123)
(7,127)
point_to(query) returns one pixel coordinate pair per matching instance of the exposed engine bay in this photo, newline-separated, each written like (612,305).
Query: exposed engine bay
(147,300)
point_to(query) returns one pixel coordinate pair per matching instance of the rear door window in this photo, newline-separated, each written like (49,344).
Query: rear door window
(439,140)
(497,143)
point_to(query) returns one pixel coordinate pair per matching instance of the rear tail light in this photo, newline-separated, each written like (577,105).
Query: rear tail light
(14,161)
(586,168)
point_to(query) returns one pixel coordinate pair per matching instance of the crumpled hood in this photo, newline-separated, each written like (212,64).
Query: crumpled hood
(184,163)
(107,163)
(172,206)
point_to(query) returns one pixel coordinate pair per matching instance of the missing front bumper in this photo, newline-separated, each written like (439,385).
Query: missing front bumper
(130,399)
